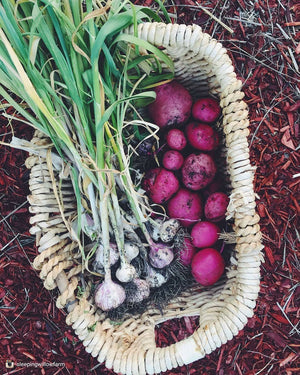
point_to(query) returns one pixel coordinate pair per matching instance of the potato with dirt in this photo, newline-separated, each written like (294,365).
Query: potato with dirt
(172,160)
(172,106)
(206,110)
(186,206)
(201,136)
(216,206)
(160,184)
(198,171)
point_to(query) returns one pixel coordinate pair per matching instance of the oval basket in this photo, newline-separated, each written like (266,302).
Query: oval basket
(203,66)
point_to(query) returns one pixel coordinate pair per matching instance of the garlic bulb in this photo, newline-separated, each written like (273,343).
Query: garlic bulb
(160,255)
(169,229)
(154,229)
(131,251)
(98,264)
(126,272)
(154,278)
(109,295)
(142,291)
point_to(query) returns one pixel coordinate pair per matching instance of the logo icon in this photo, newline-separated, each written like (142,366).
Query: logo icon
(9,363)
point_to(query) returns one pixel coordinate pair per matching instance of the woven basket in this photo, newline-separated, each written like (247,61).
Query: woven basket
(203,66)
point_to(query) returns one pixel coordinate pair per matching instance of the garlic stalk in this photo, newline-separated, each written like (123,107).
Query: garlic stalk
(126,272)
(108,294)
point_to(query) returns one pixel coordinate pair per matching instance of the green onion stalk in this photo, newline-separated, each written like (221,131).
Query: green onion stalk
(71,72)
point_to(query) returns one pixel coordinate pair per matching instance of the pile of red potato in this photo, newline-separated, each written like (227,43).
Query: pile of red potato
(186,180)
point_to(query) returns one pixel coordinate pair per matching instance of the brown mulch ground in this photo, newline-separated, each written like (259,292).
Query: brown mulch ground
(265,49)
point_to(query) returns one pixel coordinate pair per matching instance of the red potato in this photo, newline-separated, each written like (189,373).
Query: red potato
(204,234)
(206,110)
(186,206)
(172,160)
(215,186)
(216,206)
(198,171)
(187,252)
(202,136)
(172,105)
(176,139)
(207,266)
(160,185)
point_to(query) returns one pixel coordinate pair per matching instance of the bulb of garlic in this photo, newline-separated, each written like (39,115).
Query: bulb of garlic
(109,295)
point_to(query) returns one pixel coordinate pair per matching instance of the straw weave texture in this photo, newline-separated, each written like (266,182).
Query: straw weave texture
(203,66)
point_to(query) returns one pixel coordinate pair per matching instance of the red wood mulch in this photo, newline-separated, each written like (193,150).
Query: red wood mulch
(265,48)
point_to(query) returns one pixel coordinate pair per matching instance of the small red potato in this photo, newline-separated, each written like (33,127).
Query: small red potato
(160,185)
(207,266)
(206,110)
(185,206)
(202,136)
(204,234)
(198,171)
(172,160)
(172,106)
(213,187)
(216,206)
(187,252)
(176,139)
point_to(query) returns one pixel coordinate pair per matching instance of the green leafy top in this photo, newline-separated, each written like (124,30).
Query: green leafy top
(73,74)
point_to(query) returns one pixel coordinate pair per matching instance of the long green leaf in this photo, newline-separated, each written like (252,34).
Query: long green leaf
(11,28)
(109,111)
(147,46)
